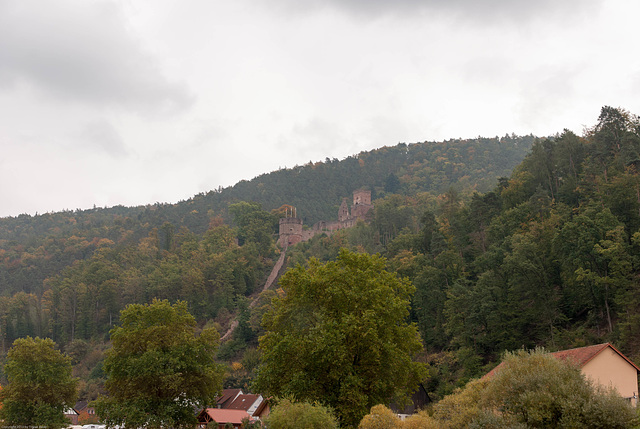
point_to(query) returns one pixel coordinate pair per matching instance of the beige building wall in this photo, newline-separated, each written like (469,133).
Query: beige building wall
(608,368)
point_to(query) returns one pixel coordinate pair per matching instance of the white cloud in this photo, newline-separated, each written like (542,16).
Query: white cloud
(131,102)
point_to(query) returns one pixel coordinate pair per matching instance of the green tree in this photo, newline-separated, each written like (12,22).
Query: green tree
(158,370)
(254,224)
(40,385)
(337,333)
(294,415)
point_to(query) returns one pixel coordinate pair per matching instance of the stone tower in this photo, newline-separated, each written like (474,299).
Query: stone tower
(290,229)
(361,203)
(343,211)
(362,196)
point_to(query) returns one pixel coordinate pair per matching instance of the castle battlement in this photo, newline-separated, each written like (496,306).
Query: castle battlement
(290,228)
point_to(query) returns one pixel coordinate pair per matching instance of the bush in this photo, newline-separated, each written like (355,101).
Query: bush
(291,415)
(380,417)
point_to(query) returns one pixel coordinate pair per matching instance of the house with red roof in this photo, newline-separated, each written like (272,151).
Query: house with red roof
(227,397)
(263,410)
(602,364)
(86,414)
(247,402)
(222,417)
(72,415)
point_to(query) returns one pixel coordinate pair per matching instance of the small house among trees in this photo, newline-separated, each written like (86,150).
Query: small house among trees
(248,403)
(227,397)
(603,364)
(72,415)
(253,406)
(222,417)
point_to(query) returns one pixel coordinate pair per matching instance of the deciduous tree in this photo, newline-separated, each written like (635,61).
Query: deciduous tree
(40,385)
(158,371)
(337,333)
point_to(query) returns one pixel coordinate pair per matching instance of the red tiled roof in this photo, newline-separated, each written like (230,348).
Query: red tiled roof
(579,356)
(262,408)
(222,416)
(582,355)
(492,372)
(227,397)
(243,402)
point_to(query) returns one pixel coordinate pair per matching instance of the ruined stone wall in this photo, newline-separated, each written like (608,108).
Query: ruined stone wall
(291,231)
(343,211)
(360,211)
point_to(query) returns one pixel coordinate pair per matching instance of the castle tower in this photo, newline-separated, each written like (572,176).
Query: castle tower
(290,229)
(362,196)
(343,211)
(361,203)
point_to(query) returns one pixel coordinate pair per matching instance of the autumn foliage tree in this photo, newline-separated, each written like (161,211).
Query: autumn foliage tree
(337,333)
(288,414)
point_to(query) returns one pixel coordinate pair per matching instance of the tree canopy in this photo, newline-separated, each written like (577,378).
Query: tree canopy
(337,333)
(158,370)
(40,385)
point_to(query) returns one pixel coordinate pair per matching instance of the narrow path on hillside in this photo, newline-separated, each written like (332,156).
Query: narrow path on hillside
(272,278)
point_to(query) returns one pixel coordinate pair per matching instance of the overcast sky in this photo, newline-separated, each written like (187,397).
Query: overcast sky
(142,101)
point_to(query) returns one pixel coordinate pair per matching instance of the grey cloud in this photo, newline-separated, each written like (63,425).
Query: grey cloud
(313,138)
(82,51)
(103,135)
(488,10)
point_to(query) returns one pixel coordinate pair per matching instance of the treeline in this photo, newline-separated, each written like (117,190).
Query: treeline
(316,189)
(34,248)
(549,257)
(211,272)
(50,264)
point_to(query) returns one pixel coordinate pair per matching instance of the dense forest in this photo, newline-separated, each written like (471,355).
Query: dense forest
(51,263)
(510,242)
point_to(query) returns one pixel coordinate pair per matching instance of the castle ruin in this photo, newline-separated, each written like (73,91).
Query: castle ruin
(291,231)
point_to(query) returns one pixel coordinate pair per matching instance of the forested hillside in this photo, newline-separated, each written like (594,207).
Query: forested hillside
(547,255)
(67,275)
(316,189)
(34,250)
